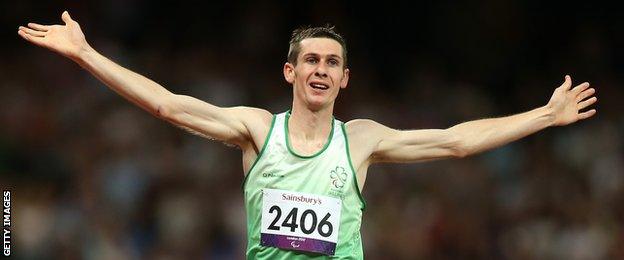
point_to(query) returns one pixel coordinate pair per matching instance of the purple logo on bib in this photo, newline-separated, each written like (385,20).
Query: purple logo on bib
(298,243)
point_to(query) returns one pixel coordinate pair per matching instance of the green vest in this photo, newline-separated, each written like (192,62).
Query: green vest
(328,173)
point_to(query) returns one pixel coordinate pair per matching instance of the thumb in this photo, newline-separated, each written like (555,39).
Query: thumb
(66,18)
(567,82)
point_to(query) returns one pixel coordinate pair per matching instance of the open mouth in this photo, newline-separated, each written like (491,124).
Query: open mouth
(320,86)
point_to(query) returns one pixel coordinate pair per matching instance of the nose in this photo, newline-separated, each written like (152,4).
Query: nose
(321,71)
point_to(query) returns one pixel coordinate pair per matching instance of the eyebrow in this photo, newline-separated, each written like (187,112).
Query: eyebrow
(316,54)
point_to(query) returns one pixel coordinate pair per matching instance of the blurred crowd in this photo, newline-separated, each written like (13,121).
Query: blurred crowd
(94,177)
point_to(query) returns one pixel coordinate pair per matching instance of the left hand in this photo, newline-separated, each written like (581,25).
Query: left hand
(68,40)
(566,104)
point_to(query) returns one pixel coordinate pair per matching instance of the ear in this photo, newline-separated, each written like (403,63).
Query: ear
(345,79)
(289,72)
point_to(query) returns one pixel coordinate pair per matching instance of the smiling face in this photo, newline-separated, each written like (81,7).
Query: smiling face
(319,73)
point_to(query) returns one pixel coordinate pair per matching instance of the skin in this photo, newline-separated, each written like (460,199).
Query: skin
(320,61)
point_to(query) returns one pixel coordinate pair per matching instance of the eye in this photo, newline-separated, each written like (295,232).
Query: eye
(311,60)
(333,62)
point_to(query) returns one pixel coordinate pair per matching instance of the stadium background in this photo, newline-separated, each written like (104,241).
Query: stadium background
(95,177)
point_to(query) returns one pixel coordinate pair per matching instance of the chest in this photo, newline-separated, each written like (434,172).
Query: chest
(325,173)
(306,148)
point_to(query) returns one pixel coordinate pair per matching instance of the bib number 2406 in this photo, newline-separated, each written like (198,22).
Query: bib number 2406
(300,221)
(324,227)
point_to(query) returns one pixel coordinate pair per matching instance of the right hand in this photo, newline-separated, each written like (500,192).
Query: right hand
(68,40)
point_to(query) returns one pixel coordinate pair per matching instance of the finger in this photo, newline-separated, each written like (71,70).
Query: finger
(66,18)
(39,27)
(567,82)
(586,103)
(585,94)
(32,32)
(33,39)
(587,114)
(581,87)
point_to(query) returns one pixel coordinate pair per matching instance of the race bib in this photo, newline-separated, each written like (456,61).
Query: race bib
(300,221)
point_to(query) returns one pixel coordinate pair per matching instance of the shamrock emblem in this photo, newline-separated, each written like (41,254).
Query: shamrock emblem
(339,177)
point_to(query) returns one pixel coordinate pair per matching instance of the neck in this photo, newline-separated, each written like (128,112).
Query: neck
(309,125)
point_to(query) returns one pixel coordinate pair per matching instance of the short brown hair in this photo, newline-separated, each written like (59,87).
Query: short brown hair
(306,32)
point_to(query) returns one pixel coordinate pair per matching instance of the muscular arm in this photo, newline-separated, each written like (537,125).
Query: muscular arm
(389,145)
(227,124)
(485,134)
(192,114)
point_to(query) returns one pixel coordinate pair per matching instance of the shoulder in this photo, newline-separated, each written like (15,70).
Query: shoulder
(366,132)
(364,137)
(365,127)
(252,114)
(257,121)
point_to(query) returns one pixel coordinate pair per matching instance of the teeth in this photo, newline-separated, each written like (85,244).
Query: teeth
(314,85)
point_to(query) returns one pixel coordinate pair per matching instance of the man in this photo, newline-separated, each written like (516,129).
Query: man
(305,170)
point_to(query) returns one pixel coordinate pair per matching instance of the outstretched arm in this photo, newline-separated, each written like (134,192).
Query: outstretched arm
(473,137)
(226,124)
(564,108)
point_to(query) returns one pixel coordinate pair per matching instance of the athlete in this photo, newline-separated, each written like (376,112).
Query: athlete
(305,169)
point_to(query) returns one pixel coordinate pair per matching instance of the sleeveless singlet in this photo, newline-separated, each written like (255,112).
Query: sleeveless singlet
(303,207)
